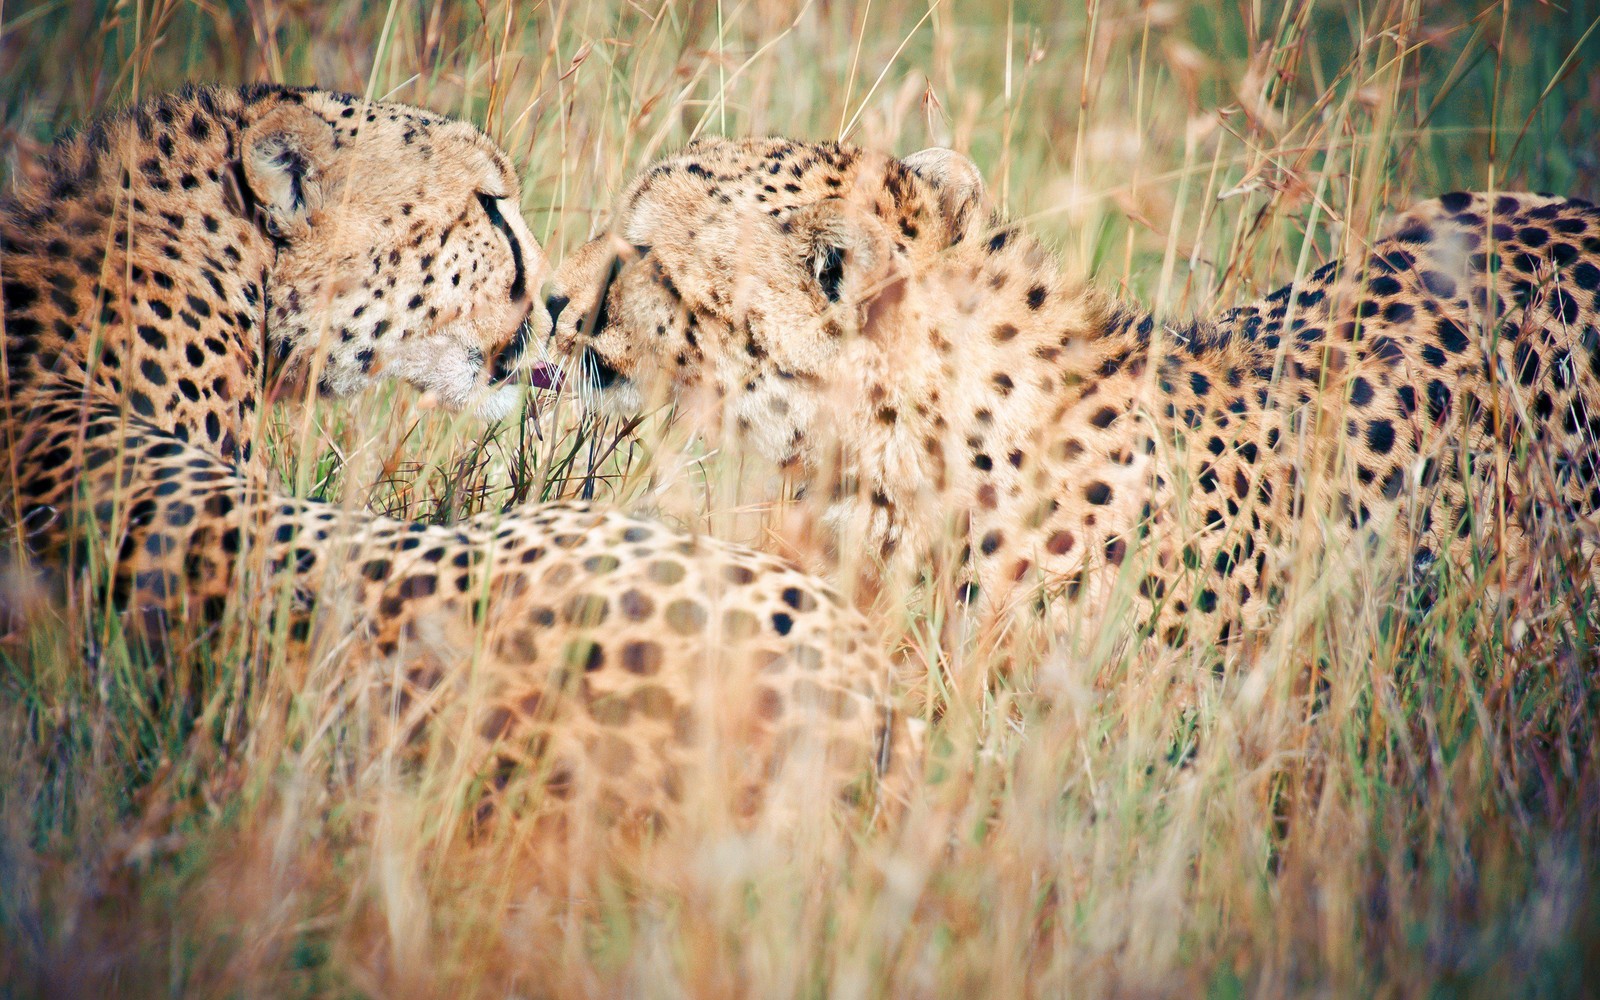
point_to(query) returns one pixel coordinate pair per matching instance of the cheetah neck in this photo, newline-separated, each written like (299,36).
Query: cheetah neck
(964,421)
(147,278)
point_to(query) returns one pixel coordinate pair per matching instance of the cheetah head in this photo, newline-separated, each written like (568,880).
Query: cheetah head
(399,249)
(765,274)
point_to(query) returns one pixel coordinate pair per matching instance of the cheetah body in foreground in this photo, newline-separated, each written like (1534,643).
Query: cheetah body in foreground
(869,324)
(602,654)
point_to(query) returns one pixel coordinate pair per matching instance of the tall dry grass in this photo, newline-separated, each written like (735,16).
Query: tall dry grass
(1377,801)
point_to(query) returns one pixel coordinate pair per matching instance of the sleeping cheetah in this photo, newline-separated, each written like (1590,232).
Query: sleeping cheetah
(183,257)
(870,324)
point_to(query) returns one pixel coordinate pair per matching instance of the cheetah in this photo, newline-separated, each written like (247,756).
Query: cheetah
(926,371)
(179,261)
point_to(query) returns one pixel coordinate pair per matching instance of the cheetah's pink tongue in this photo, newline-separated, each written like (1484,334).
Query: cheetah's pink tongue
(543,375)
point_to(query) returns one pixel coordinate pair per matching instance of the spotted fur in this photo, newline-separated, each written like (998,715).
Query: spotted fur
(606,655)
(870,324)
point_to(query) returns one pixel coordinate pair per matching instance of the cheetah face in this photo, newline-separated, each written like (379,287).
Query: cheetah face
(400,251)
(763,272)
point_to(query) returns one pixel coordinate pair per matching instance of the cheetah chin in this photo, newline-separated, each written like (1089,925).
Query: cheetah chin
(451,372)
(497,403)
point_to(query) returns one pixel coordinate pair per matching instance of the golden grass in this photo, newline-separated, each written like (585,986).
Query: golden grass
(1375,802)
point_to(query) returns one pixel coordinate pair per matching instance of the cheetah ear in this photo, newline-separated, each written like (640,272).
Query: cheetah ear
(958,182)
(279,178)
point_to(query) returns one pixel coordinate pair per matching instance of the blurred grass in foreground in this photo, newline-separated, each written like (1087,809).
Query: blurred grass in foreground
(1376,803)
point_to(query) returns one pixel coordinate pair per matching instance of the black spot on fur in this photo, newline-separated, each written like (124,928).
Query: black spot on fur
(1380,436)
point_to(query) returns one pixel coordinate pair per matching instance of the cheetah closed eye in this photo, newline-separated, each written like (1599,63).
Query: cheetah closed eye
(178,257)
(872,324)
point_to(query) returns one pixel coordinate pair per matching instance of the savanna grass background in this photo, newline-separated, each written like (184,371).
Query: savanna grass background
(1370,801)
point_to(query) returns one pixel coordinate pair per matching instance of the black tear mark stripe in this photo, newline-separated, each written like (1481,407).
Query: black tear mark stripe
(519,281)
(602,315)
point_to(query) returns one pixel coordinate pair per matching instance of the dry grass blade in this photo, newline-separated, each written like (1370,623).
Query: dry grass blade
(1395,794)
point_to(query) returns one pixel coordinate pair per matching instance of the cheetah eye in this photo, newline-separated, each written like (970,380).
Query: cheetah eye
(491,207)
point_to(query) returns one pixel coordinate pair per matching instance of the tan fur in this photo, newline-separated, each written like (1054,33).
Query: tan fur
(621,665)
(930,372)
